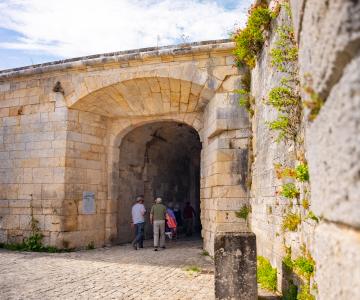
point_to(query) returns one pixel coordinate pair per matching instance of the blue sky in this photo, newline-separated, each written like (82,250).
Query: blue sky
(36,31)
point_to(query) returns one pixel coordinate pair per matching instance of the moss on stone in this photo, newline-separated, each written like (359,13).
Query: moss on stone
(291,222)
(243,212)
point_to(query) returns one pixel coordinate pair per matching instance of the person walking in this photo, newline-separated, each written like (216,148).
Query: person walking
(170,224)
(189,214)
(157,218)
(177,213)
(138,212)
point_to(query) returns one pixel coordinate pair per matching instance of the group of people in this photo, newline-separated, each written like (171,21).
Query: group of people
(163,219)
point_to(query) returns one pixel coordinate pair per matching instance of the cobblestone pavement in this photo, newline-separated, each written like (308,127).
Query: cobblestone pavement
(108,273)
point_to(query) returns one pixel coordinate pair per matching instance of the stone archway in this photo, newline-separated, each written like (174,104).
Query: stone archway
(78,112)
(158,159)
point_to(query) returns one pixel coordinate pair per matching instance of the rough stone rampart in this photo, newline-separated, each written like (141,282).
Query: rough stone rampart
(327,33)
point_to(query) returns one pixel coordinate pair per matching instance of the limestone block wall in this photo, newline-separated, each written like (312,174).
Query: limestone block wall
(333,141)
(32,158)
(268,207)
(62,126)
(327,33)
(85,172)
(224,162)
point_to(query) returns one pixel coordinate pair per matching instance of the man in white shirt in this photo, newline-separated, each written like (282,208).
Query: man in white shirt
(138,218)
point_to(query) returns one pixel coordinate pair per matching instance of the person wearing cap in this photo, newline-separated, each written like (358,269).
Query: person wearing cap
(157,218)
(138,220)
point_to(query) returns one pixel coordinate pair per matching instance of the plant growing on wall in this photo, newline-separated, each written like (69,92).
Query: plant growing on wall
(34,241)
(305,203)
(302,172)
(246,100)
(266,274)
(285,50)
(284,172)
(314,102)
(249,41)
(291,293)
(282,98)
(305,293)
(285,98)
(291,222)
(289,191)
(312,216)
(243,212)
(303,266)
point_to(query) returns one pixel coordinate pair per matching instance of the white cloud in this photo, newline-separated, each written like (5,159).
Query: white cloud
(70,28)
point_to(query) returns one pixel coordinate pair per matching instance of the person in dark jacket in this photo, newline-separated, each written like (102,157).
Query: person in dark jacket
(188,216)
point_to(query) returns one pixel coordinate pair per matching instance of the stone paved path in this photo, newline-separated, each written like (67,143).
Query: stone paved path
(108,273)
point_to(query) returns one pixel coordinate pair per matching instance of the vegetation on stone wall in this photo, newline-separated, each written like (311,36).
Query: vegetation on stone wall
(291,293)
(291,221)
(246,100)
(266,274)
(285,50)
(243,212)
(285,98)
(305,293)
(287,127)
(312,216)
(305,203)
(249,41)
(300,172)
(31,243)
(314,102)
(34,241)
(303,266)
(289,190)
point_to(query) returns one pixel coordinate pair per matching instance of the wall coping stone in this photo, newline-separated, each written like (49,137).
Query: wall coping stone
(120,56)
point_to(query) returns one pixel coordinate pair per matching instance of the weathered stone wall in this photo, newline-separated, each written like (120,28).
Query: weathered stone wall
(85,172)
(268,207)
(333,142)
(33,147)
(57,144)
(59,140)
(224,169)
(328,36)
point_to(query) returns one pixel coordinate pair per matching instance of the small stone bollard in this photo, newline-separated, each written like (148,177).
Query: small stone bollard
(235,266)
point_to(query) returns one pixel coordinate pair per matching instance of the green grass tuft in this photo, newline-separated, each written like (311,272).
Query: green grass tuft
(305,293)
(205,253)
(304,266)
(193,269)
(266,274)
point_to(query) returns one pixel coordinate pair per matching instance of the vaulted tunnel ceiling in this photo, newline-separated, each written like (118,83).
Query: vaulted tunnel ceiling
(145,96)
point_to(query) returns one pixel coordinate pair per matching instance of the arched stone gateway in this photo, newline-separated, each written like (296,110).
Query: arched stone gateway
(82,137)
(160,159)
